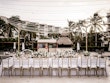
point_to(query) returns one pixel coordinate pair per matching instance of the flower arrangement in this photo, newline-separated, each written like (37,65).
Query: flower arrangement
(86,53)
(18,54)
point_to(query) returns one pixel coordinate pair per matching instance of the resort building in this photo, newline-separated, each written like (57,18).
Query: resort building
(43,29)
(50,29)
(57,29)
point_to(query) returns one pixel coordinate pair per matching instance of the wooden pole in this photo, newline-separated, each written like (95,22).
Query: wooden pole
(18,41)
(86,40)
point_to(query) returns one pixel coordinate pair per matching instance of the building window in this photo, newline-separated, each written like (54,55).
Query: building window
(41,45)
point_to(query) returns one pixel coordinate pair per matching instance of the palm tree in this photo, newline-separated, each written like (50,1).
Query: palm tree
(95,24)
(2,27)
(75,29)
(9,30)
(6,29)
(16,22)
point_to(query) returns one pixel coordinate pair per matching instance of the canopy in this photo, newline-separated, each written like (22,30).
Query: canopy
(64,41)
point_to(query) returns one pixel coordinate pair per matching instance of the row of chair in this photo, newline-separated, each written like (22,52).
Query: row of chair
(54,64)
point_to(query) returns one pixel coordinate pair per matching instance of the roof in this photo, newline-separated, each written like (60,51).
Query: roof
(47,41)
(64,41)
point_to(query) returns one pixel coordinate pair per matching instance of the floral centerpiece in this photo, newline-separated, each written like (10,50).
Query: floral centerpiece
(18,54)
(86,53)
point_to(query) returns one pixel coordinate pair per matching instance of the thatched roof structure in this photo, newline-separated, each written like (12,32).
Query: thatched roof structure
(64,41)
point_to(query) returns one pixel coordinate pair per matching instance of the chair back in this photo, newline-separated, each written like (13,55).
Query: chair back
(8,62)
(102,62)
(60,62)
(84,61)
(25,63)
(73,62)
(45,62)
(36,62)
(55,63)
(17,62)
(93,62)
(65,62)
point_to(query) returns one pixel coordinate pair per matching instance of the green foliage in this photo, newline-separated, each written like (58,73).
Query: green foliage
(94,48)
(8,39)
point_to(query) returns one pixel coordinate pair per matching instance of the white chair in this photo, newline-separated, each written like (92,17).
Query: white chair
(7,64)
(73,64)
(36,65)
(60,65)
(55,66)
(26,65)
(17,64)
(45,65)
(93,64)
(102,65)
(84,64)
(65,65)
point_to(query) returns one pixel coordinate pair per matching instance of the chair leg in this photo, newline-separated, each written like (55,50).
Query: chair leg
(58,72)
(88,71)
(30,71)
(2,73)
(105,72)
(85,71)
(15,71)
(33,71)
(42,72)
(48,71)
(20,72)
(96,71)
(77,72)
(70,72)
(39,71)
(51,72)
(9,72)
(61,71)
(102,72)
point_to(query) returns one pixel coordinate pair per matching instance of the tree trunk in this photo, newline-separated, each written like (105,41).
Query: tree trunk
(86,40)
(95,39)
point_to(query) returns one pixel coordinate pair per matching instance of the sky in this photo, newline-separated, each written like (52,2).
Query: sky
(53,12)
